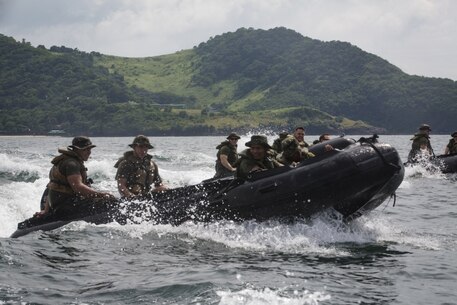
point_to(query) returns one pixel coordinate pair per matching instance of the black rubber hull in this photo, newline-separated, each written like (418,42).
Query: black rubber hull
(353,181)
(447,163)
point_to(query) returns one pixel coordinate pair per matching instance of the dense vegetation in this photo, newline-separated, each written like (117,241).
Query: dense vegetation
(280,68)
(245,80)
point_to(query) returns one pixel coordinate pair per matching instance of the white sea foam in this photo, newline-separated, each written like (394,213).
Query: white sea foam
(17,169)
(419,171)
(320,236)
(252,296)
(19,201)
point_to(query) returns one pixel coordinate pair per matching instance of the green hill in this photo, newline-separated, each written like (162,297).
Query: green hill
(245,80)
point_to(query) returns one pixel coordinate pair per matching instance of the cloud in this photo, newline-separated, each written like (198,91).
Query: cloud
(416,35)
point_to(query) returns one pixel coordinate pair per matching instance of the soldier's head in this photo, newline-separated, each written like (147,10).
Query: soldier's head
(425,128)
(324,137)
(258,146)
(299,134)
(82,146)
(140,146)
(233,138)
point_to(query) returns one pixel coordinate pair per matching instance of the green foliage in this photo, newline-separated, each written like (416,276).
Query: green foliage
(245,80)
(335,77)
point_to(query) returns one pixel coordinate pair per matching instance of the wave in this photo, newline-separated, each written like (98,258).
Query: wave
(18,170)
(250,296)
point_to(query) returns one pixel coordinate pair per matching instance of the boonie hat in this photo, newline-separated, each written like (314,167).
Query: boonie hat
(141,140)
(81,142)
(258,140)
(425,127)
(233,136)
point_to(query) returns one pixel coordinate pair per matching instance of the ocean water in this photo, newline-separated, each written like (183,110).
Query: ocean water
(396,255)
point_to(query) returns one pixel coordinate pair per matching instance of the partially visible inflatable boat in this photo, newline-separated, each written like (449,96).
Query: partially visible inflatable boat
(447,163)
(354,178)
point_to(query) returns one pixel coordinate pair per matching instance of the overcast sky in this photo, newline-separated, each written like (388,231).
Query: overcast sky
(418,36)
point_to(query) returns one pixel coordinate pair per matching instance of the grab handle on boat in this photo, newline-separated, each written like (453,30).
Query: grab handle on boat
(371,141)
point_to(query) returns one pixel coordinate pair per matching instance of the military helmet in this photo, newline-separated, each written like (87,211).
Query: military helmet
(454,134)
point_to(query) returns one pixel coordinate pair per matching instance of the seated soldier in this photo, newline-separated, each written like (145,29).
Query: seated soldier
(136,172)
(421,147)
(255,158)
(299,134)
(292,153)
(227,156)
(451,147)
(277,146)
(322,138)
(69,190)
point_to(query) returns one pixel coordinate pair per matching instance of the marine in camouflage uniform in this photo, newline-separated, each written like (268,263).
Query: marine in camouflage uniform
(227,156)
(136,171)
(421,140)
(451,147)
(292,152)
(277,145)
(69,189)
(250,161)
(299,134)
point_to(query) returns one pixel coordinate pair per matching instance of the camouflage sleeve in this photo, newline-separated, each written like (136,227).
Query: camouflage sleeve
(306,154)
(277,163)
(157,179)
(243,168)
(225,150)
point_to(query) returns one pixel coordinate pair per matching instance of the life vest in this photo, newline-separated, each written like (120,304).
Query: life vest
(140,174)
(58,181)
(231,157)
(418,139)
(452,146)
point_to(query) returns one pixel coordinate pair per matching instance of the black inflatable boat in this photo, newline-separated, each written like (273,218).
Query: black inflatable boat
(447,164)
(353,179)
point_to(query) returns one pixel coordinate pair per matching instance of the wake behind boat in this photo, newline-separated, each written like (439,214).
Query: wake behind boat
(353,179)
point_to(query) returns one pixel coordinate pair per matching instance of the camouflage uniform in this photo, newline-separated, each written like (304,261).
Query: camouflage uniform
(139,173)
(303,144)
(67,164)
(246,163)
(225,148)
(419,139)
(63,201)
(452,146)
(292,152)
(277,146)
